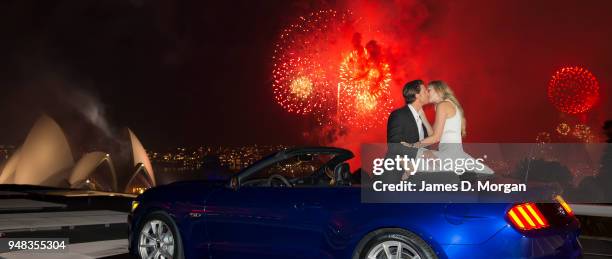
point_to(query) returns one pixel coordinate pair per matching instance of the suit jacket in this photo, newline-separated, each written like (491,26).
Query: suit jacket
(401,126)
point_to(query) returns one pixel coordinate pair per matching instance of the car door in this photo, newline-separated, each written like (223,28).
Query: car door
(269,220)
(263,222)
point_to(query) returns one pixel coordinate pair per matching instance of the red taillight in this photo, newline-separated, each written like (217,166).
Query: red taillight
(527,216)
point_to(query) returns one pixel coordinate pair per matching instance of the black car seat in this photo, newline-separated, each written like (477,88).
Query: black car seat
(342,174)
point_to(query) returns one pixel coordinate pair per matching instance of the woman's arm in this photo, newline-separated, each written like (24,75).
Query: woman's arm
(442,111)
(426,123)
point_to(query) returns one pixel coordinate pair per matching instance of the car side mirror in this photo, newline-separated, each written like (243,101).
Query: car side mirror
(234,183)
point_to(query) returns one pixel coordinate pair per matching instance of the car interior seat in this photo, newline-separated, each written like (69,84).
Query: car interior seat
(342,174)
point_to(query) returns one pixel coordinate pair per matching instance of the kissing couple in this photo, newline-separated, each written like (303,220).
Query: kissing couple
(410,127)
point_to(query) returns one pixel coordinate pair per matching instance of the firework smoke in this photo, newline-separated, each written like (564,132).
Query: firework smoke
(493,61)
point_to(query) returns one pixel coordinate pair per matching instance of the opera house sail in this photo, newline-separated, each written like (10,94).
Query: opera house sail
(46,159)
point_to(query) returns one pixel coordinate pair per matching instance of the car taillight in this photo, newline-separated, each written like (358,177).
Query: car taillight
(527,216)
(565,206)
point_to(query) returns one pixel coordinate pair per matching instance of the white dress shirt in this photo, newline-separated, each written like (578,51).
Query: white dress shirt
(419,122)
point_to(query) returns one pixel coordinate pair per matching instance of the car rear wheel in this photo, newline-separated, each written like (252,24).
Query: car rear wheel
(158,238)
(395,244)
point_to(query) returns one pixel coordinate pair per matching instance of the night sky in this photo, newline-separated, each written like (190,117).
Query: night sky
(199,72)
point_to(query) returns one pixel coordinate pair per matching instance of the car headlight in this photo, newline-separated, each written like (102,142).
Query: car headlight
(135,205)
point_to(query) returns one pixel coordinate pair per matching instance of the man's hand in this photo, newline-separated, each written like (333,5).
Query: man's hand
(407,144)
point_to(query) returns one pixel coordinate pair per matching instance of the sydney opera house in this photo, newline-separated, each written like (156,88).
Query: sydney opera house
(48,158)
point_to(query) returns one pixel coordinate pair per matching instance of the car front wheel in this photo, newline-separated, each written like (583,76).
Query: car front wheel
(158,238)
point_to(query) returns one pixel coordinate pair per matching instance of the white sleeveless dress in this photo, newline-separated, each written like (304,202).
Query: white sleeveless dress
(450,145)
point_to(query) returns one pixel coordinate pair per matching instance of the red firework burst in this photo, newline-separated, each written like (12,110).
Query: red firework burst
(363,91)
(303,69)
(573,90)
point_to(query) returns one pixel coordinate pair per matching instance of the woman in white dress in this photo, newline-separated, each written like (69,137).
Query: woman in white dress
(448,129)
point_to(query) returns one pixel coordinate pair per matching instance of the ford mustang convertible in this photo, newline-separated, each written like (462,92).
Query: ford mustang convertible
(304,203)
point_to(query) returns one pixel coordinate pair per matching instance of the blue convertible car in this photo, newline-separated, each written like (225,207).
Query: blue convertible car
(302,203)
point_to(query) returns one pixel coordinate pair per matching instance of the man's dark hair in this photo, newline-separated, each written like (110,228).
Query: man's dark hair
(411,89)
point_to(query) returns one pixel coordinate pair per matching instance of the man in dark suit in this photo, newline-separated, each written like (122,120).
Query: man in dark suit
(406,125)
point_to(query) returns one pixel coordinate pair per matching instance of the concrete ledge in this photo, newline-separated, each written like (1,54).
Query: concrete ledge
(592,210)
(25,204)
(12,222)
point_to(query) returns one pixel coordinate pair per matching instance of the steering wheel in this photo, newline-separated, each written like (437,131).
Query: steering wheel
(279,177)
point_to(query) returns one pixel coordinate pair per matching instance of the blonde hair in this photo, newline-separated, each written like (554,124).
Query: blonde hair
(446,93)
